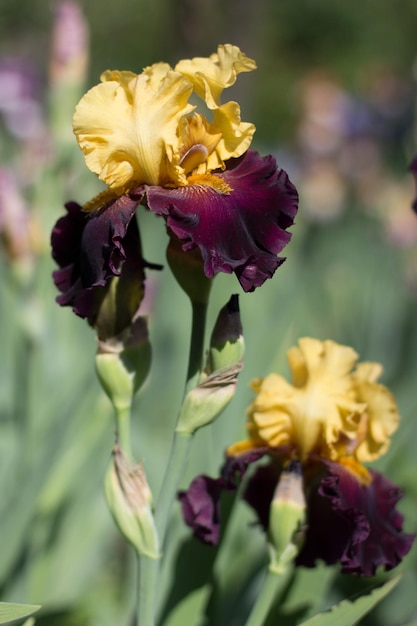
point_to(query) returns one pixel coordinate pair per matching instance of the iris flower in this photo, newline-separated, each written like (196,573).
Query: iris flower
(330,420)
(145,140)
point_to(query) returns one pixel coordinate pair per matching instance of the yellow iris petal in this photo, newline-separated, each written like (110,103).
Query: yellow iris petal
(210,76)
(329,409)
(236,136)
(381,414)
(241,447)
(197,141)
(136,129)
(127,125)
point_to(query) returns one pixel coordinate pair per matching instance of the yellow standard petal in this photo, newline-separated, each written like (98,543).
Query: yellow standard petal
(210,76)
(236,136)
(127,125)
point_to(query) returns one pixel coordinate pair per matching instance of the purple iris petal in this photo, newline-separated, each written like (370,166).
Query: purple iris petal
(241,231)
(201,502)
(260,490)
(355,524)
(201,508)
(234,468)
(90,249)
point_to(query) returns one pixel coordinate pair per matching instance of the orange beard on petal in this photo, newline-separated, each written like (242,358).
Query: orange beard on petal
(210,180)
(356,468)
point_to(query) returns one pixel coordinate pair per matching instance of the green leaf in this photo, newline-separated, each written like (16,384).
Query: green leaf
(10,611)
(349,612)
(303,597)
(189,611)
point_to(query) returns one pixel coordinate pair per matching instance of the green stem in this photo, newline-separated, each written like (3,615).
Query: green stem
(149,568)
(178,459)
(182,441)
(123,415)
(272,583)
(147,575)
(195,357)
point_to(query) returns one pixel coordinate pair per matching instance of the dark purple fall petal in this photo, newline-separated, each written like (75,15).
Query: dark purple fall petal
(201,502)
(234,468)
(260,490)
(355,524)
(240,232)
(201,508)
(90,249)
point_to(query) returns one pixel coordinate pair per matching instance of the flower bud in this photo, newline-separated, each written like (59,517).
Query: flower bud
(217,386)
(208,400)
(227,346)
(122,363)
(286,518)
(129,500)
(187,268)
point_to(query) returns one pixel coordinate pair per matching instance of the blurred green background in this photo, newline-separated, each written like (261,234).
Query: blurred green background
(334,100)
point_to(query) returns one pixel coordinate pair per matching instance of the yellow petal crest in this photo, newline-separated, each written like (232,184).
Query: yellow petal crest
(127,125)
(236,136)
(210,76)
(381,414)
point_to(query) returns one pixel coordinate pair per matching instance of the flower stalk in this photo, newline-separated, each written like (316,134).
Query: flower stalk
(272,584)
(182,441)
(146,597)
(180,448)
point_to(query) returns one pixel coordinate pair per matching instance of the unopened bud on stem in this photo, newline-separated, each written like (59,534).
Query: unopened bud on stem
(286,518)
(123,363)
(227,346)
(217,386)
(187,268)
(129,500)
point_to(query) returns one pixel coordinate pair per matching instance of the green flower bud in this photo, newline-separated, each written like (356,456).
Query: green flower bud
(187,268)
(208,400)
(122,363)
(129,500)
(227,346)
(217,386)
(286,518)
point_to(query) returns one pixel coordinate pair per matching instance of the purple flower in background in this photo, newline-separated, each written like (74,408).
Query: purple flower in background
(19,101)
